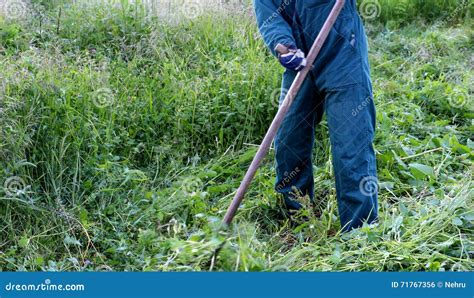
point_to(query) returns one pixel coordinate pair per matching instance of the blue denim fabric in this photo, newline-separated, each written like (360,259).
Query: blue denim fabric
(338,86)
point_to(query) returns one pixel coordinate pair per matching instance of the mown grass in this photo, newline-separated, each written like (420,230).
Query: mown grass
(128,137)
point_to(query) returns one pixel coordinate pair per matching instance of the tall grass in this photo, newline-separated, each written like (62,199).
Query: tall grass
(126,137)
(406,11)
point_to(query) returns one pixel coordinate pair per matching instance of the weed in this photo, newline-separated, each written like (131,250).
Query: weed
(122,140)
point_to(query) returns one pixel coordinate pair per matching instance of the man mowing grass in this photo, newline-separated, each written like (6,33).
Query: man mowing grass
(339,85)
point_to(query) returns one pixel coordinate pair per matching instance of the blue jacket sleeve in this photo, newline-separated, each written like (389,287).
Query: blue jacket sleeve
(272,23)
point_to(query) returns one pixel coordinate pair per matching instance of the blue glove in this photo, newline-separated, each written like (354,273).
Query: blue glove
(294,59)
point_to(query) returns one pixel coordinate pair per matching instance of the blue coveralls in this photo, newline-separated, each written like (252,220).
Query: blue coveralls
(339,85)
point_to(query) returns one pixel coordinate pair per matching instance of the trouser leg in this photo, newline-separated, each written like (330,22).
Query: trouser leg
(294,143)
(351,121)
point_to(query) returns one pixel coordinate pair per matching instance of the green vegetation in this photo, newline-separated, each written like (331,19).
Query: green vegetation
(405,11)
(122,140)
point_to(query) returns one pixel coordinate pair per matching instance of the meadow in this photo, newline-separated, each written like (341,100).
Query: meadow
(124,135)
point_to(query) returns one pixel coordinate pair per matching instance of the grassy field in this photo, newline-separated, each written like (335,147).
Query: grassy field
(123,138)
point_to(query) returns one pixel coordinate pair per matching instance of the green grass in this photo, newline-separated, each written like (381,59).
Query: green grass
(128,138)
(405,11)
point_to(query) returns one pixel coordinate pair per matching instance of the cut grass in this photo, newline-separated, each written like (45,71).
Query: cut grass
(128,139)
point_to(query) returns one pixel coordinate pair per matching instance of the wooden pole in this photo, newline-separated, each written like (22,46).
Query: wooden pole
(282,111)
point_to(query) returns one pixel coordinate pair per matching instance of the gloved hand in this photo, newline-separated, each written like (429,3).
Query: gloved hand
(291,57)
